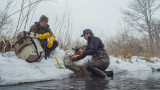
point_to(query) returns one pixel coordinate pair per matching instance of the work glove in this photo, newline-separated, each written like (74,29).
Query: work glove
(50,42)
(80,52)
(44,36)
(72,58)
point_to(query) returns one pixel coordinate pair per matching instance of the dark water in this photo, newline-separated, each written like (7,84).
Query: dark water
(135,80)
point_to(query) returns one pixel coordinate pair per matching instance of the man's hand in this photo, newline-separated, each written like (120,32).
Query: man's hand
(44,36)
(80,52)
(50,42)
(72,58)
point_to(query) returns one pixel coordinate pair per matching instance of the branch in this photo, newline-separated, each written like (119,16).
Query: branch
(23,8)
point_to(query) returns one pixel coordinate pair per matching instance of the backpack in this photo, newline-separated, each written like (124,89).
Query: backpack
(26,45)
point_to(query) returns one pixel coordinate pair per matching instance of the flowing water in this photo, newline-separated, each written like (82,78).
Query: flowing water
(136,80)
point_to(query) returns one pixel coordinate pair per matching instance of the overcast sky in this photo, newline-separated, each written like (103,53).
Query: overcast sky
(102,16)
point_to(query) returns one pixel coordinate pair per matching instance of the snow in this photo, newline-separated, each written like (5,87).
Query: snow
(14,70)
(135,64)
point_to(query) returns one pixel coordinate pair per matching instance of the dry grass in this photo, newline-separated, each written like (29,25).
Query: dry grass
(128,46)
(147,60)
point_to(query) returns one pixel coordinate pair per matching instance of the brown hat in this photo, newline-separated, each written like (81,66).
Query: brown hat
(43,18)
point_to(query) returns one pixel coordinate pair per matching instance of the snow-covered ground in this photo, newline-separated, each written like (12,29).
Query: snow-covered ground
(136,64)
(14,70)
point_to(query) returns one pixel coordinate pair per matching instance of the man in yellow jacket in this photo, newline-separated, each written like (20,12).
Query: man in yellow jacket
(42,28)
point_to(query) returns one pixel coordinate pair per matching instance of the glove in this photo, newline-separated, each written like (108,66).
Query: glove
(50,42)
(40,36)
(53,36)
(44,36)
(72,58)
(80,52)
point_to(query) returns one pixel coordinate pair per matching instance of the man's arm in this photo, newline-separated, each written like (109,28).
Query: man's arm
(92,50)
(93,47)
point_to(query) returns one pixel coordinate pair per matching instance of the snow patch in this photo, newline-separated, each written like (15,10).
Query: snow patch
(119,65)
(14,70)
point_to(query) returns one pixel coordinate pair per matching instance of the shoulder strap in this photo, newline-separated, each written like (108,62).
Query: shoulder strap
(34,45)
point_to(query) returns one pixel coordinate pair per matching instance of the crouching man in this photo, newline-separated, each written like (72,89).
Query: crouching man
(95,47)
(42,28)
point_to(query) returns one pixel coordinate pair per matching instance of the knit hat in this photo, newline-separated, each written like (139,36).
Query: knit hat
(43,18)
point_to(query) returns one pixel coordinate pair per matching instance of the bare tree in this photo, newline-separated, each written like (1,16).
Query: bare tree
(25,13)
(140,15)
(64,27)
(5,23)
(156,33)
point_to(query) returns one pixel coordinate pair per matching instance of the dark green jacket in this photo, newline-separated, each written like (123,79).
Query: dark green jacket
(36,28)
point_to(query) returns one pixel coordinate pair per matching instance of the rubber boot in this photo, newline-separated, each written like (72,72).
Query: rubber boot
(96,72)
(109,73)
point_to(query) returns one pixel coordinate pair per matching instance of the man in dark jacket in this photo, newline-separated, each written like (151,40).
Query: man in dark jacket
(95,47)
(42,28)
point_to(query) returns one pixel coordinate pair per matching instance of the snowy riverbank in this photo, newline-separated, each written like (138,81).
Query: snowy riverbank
(14,70)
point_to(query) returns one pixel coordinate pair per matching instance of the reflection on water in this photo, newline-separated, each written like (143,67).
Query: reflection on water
(135,80)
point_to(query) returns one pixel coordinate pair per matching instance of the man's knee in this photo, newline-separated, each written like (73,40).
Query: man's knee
(55,44)
(89,67)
